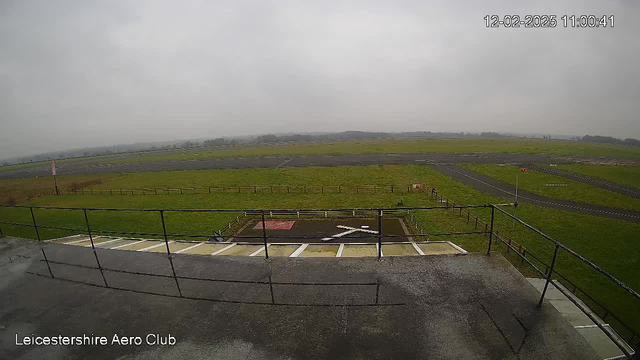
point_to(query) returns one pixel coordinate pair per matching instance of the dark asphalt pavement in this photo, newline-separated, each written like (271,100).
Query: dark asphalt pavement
(281,161)
(438,307)
(494,187)
(604,184)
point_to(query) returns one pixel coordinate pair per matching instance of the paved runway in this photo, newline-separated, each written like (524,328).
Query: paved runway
(494,187)
(282,161)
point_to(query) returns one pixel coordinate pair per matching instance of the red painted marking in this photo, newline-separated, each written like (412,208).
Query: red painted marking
(275,225)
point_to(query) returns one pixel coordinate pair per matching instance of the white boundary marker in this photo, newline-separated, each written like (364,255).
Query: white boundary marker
(381,253)
(77,241)
(462,251)
(415,246)
(259,250)
(65,238)
(223,249)
(133,243)
(189,248)
(153,246)
(104,242)
(299,250)
(340,250)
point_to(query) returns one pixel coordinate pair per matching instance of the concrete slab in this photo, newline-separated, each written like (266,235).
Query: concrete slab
(399,250)
(596,338)
(600,342)
(360,251)
(118,243)
(139,245)
(238,307)
(173,247)
(206,249)
(241,250)
(437,248)
(281,250)
(320,251)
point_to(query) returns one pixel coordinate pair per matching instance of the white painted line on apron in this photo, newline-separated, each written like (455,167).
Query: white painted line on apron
(415,246)
(153,246)
(64,238)
(340,250)
(462,251)
(133,243)
(223,249)
(189,248)
(77,241)
(104,242)
(259,250)
(299,250)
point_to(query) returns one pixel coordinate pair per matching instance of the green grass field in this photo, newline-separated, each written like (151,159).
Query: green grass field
(625,175)
(506,146)
(609,243)
(461,145)
(534,182)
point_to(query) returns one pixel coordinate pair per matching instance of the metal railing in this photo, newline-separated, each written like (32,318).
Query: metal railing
(378,213)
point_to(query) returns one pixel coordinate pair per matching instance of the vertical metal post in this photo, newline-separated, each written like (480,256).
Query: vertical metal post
(264,235)
(93,246)
(35,225)
(493,212)
(55,183)
(47,261)
(546,284)
(166,243)
(379,234)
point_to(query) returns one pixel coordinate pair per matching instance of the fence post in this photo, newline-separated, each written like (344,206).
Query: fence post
(264,235)
(166,243)
(546,284)
(339,188)
(93,246)
(493,212)
(379,234)
(35,225)
(255,190)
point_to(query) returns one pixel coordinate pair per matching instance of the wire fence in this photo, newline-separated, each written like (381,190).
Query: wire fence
(626,336)
(623,334)
(263,189)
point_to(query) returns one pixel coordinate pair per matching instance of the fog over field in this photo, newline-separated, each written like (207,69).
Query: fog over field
(86,73)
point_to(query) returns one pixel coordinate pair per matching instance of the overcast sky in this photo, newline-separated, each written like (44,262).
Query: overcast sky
(90,73)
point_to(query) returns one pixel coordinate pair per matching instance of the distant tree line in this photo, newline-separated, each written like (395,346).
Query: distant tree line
(290,138)
(610,140)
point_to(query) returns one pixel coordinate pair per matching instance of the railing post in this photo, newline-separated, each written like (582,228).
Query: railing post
(493,213)
(264,235)
(93,246)
(546,284)
(379,234)
(35,225)
(166,243)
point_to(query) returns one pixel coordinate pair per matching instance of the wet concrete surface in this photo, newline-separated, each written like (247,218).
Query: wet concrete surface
(436,307)
(495,187)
